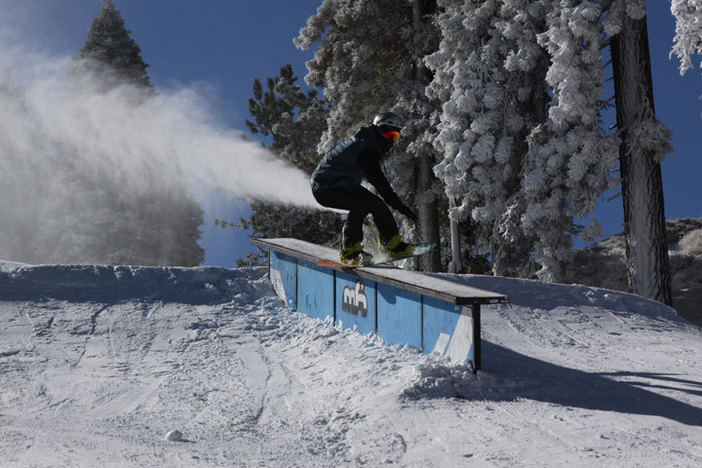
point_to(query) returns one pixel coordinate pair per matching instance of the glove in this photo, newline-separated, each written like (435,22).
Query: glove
(407,212)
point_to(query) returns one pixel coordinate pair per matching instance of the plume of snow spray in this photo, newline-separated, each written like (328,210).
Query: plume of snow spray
(173,131)
(48,120)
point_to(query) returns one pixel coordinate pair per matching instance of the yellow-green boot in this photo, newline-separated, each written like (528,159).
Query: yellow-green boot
(397,248)
(354,255)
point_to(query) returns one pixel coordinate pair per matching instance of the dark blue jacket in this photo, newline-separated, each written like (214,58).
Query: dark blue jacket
(350,162)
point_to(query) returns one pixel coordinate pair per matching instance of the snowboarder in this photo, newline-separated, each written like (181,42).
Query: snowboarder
(336,183)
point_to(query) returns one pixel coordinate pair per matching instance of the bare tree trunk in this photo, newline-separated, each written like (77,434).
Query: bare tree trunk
(428,206)
(648,267)
(455,265)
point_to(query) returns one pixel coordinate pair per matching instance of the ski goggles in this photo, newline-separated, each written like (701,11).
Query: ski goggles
(393,135)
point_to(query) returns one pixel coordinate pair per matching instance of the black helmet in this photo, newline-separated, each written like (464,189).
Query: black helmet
(388,119)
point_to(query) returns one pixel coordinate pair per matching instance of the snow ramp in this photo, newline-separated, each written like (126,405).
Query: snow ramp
(402,307)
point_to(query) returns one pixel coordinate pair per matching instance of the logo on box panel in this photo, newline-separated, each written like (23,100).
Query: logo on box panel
(355,300)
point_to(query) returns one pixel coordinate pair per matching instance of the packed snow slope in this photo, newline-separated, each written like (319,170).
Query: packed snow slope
(99,364)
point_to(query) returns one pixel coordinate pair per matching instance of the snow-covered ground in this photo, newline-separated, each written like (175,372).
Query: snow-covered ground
(98,364)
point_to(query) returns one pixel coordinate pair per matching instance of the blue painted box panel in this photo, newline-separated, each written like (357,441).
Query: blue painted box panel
(355,302)
(448,330)
(399,316)
(315,290)
(283,276)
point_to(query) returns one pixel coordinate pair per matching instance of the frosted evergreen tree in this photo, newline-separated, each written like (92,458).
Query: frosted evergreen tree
(367,59)
(524,151)
(494,55)
(688,31)
(471,83)
(483,123)
(570,156)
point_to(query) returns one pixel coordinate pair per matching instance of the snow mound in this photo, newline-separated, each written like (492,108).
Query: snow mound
(536,295)
(439,379)
(101,283)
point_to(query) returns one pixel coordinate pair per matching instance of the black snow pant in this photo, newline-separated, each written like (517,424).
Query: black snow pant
(359,202)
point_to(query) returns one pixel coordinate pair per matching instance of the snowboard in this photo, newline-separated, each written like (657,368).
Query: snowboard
(419,249)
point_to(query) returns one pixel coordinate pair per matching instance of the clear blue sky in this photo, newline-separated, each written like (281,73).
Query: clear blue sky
(229,43)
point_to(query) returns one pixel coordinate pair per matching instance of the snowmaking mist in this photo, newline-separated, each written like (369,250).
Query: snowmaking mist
(62,132)
(125,130)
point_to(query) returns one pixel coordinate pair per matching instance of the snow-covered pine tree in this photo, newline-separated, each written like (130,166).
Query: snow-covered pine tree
(366,61)
(645,142)
(524,153)
(688,31)
(293,121)
(487,112)
(146,217)
(570,155)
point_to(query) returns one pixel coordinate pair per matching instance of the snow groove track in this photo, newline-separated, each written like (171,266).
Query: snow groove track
(98,364)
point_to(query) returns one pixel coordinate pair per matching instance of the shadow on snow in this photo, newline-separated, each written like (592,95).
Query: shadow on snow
(512,375)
